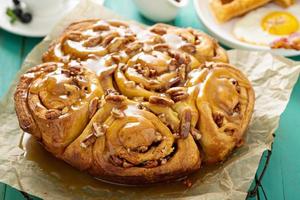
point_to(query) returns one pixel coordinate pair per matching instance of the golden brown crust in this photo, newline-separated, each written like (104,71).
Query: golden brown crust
(226,10)
(125,103)
(285,3)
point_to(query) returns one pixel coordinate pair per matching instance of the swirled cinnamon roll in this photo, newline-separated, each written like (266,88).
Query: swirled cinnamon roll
(98,38)
(225,103)
(135,105)
(54,102)
(127,143)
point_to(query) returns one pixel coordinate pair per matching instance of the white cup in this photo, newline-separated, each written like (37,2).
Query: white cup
(160,10)
(43,8)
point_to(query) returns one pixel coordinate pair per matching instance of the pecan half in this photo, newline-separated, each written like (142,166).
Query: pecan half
(133,47)
(158,30)
(161,47)
(177,93)
(109,38)
(101,27)
(74,36)
(92,41)
(161,100)
(115,45)
(189,48)
(173,82)
(185,124)
(115,98)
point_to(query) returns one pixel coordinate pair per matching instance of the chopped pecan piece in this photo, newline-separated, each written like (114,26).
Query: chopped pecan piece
(127,164)
(188,183)
(99,130)
(88,141)
(93,106)
(75,69)
(141,149)
(237,108)
(117,113)
(151,163)
(52,114)
(163,161)
(185,124)
(116,160)
(218,118)
(196,134)
(64,110)
(116,58)
(182,72)
(229,131)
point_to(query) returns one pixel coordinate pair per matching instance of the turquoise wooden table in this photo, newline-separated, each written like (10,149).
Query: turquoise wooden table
(282,177)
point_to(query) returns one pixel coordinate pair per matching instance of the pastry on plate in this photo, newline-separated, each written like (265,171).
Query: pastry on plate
(135,105)
(225,10)
(285,3)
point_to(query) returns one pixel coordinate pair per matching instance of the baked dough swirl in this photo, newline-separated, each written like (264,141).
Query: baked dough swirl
(135,105)
(127,143)
(53,102)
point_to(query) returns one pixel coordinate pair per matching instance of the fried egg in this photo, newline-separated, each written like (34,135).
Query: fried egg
(264,25)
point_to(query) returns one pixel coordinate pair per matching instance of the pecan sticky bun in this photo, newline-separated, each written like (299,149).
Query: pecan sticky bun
(135,105)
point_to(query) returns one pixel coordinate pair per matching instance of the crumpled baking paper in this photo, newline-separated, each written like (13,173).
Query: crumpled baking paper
(25,165)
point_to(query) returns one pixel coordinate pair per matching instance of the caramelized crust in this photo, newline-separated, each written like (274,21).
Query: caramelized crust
(133,105)
(285,3)
(225,10)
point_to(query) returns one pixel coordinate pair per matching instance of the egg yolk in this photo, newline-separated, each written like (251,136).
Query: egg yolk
(280,23)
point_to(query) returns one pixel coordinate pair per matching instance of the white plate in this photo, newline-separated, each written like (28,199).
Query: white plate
(39,26)
(223,32)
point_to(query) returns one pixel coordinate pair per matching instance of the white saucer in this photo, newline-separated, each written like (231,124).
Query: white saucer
(39,26)
(223,32)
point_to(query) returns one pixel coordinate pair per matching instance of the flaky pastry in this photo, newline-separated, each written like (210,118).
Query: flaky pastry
(225,10)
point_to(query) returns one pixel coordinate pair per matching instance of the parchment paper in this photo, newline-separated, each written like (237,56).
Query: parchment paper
(36,172)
